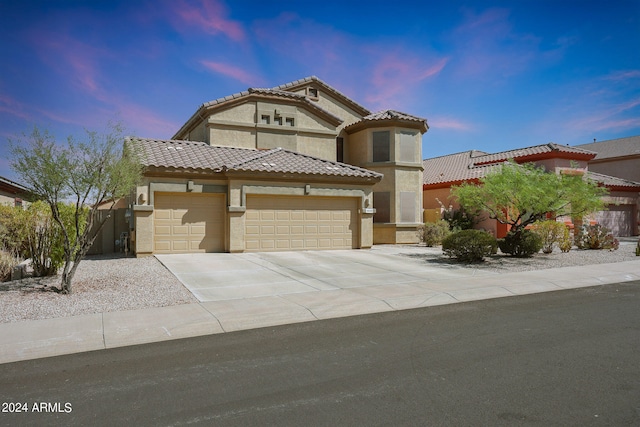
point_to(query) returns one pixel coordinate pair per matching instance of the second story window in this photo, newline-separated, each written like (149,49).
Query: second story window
(290,121)
(382,146)
(340,149)
(265,119)
(277,121)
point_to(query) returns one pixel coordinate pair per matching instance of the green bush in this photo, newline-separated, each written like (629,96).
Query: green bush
(459,219)
(551,232)
(596,237)
(521,244)
(432,234)
(469,245)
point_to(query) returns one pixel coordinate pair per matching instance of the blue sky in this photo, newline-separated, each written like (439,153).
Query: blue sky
(490,76)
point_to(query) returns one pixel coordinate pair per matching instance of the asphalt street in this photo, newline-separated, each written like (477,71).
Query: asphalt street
(561,358)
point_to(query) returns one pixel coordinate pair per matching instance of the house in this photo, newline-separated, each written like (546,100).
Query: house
(616,157)
(11,193)
(441,173)
(296,167)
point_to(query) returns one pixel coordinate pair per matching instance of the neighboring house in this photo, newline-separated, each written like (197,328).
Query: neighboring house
(11,193)
(296,167)
(616,157)
(441,173)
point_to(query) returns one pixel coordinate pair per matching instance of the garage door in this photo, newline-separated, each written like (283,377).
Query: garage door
(186,222)
(618,219)
(279,223)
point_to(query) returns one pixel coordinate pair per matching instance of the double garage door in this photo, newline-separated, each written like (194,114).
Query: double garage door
(195,222)
(300,223)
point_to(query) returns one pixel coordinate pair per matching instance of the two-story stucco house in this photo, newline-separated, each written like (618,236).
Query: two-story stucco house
(296,167)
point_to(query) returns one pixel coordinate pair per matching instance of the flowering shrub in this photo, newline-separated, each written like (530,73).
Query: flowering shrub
(596,237)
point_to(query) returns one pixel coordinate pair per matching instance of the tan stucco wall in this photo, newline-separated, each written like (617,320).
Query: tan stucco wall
(558,165)
(622,168)
(225,137)
(320,146)
(9,200)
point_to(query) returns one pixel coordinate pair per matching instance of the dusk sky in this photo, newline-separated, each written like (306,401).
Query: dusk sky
(490,76)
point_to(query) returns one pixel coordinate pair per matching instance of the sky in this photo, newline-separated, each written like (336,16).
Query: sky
(487,75)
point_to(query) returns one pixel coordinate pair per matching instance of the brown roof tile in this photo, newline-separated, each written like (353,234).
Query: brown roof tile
(612,181)
(199,156)
(389,115)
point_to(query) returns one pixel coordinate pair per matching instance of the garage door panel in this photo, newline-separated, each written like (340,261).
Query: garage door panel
(185,223)
(295,223)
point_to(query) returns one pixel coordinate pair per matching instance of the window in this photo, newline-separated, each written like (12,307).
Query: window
(407,206)
(407,147)
(382,205)
(277,121)
(340,149)
(290,121)
(265,119)
(312,92)
(381,146)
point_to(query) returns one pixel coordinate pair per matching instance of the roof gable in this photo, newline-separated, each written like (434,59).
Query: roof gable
(316,82)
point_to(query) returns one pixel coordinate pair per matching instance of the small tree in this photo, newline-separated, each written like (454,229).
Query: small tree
(84,173)
(519,195)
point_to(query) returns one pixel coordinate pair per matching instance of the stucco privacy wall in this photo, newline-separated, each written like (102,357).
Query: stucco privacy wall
(236,192)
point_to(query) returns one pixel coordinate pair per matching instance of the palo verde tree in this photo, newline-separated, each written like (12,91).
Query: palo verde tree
(84,173)
(519,195)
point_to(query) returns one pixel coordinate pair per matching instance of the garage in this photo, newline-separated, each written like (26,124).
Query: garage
(285,223)
(188,222)
(618,219)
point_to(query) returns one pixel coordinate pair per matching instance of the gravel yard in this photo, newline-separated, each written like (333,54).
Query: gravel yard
(106,284)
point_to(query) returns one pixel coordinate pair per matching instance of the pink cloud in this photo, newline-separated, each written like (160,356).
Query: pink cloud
(235,73)
(394,77)
(14,107)
(209,16)
(609,117)
(623,75)
(444,122)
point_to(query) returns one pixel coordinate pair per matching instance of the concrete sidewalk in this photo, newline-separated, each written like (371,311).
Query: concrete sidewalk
(294,294)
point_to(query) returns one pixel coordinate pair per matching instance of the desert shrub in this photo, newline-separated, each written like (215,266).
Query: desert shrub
(13,231)
(7,263)
(596,237)
(432,234)
(565,242)
(469,245)
(551,232)
(520,244)
(459,219)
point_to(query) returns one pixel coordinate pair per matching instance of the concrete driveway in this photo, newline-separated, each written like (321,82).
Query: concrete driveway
(381,270)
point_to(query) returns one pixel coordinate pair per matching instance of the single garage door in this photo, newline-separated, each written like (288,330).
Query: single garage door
(282,223)
(188,222)
(618,219)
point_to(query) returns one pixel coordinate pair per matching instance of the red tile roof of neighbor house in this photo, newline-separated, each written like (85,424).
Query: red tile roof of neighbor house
(613,182)
(613,148)
(200,157)
(442,172)
(538,152)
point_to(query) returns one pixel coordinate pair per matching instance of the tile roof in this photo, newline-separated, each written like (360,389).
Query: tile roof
(612,181)
(453,168)
(535,151)
(201,157)
(390,115)
(621,147)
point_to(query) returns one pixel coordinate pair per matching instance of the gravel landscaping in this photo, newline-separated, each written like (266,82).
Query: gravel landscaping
(112,283)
